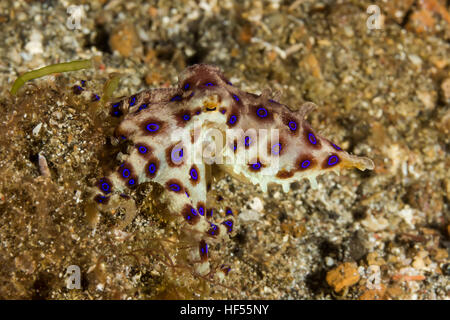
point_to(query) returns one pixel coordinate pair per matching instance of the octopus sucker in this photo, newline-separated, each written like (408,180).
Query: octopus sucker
(203,124)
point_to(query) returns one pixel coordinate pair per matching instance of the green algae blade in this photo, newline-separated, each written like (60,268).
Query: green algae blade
(54,68)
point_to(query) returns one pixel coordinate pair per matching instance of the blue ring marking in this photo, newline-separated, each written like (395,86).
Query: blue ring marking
(223,111)
(131,182)
(96,97)
(175,187)
(292,125)
(212,212)
(123,137)
(125,173)
(186,86)
(176,98)
(225,269)
(100,198)
(204,249)
(276,152)
(143,106)
(193,211)
(209,84)
(132,101)
(197,113)
(256,166)
(105,186)
(332,160)
(236,97)
(262,112)
(234,146)
(193,174)
(201,211)
(305,164)
(214,229)
(77,89)
(142,149)
(83,82)
(229,212)
(312,138)
(273,101)
(229,223)
(187,194)
(116,113)
(247,141)
(233,119)
(152,127)
(186,117)
(152,168)
(176,158)
(335,146)
(229,83)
